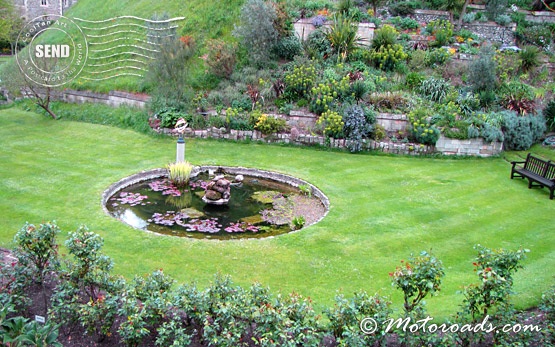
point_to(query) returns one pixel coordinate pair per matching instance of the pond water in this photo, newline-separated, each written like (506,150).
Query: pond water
(257,208)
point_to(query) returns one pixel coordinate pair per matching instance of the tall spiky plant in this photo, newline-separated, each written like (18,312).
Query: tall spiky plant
(343,36)
(179,173)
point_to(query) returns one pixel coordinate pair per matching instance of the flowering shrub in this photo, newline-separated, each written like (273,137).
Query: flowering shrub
(386,57)
(224,314)
(442,30)
(299,82)
(421,128)
(268,125)
(333,124)
(495,270)
(329,93)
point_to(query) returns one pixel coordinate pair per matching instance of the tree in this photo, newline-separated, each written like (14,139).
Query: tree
(257,32)
(452,6)
(7,10)
(10,23)
(169,73)
(18,83)
(375,4)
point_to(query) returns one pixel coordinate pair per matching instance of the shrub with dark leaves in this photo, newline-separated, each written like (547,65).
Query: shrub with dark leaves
(356,127)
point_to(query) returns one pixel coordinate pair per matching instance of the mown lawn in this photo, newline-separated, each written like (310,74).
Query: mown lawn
(382,209)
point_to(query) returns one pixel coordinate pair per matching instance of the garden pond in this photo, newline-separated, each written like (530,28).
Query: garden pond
(264,204)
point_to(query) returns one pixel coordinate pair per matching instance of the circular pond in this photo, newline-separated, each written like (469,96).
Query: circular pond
(262,204)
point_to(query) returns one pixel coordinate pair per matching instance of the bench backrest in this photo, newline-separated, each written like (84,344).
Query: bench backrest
(550,172)
(536,165)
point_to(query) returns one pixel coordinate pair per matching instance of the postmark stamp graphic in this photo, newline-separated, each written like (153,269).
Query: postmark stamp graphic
(56,50)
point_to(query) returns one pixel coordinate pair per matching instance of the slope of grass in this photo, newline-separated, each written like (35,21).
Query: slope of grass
(203,20)
(382,209)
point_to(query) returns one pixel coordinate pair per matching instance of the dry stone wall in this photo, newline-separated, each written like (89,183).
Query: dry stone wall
(391,122)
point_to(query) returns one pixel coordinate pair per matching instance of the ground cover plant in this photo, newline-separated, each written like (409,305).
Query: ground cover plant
(445,204)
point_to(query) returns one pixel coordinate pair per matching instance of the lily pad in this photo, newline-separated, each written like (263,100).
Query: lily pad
(266,196)
(192,213)
(256,219)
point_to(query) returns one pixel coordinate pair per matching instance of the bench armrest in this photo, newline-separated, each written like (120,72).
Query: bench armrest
(514,163)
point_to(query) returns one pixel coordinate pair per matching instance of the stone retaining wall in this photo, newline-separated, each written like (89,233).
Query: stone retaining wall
(494,32)
(426,16)
(474,147)
(114,98)
(303,28)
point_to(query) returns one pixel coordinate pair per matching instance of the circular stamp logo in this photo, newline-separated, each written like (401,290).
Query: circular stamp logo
(56,50)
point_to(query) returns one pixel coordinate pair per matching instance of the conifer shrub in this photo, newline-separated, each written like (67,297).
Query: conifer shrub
(521,132)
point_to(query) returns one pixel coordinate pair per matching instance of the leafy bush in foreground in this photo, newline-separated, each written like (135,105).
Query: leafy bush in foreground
(224,314)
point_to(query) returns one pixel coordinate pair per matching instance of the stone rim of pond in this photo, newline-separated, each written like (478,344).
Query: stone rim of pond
(229,170)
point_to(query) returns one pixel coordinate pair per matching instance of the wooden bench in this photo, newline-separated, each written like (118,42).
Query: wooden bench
(538,172)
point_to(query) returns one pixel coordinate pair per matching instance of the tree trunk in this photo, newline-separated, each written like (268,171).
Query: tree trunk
(463,12)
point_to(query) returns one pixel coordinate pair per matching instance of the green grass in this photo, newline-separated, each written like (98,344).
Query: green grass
(4,58)
(202,20)
(382,209)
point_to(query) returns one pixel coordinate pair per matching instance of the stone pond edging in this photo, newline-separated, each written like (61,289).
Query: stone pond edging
(232,170)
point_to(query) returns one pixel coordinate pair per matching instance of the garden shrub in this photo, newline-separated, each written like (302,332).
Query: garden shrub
(481,71)
(318,45)
(540,35)
(507,65)
(221,57)
(169,76)
(299,81)
(356,127)
(549,114)
(437,57)
(547,306)
(495,270)
(330,93)
(421,128)
(435,89)
(518,97)
(169,116)
(268,125)
(390,101)
(491,133)
(37,249)
(442,30)
(332,123)
(343,36)
(359,89)
(521,132)
(413,80)
(468,103)
(384,37)
(404,23)
(347,314)
(418,59)
(403,8)
(387,57)
(503,20)
(288,47)
(529,58)
(495,8)
(417,277)
(469,17)
(256,31)
(237,120)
